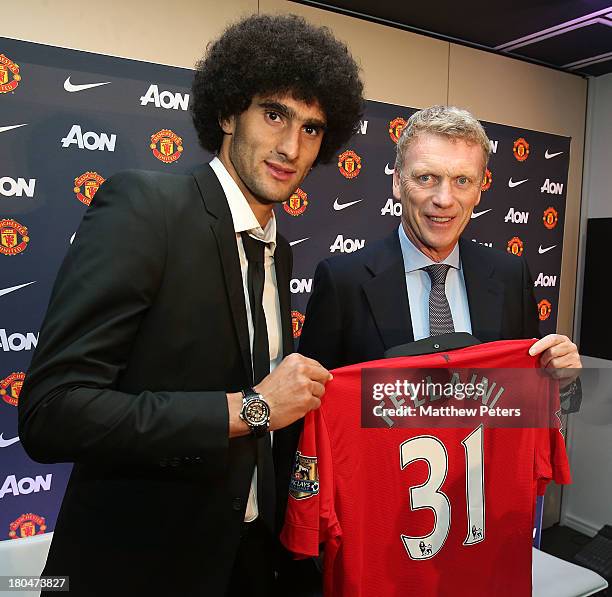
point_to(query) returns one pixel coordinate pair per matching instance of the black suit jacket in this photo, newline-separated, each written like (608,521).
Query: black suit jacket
(359,307)
(145,333)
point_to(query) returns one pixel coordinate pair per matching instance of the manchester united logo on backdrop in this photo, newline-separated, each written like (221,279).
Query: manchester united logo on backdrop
(521,149)
(487,180)
(304,481)
(9,75)
(10,387)
(349,164)
(13,237)
(396,126)
(297,203)
(27,525)
(86,186)
(166,146)
(550,218)
(544,309)
(297,321)
(515,246)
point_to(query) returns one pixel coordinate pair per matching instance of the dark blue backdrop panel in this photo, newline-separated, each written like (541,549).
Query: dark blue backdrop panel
(69,116)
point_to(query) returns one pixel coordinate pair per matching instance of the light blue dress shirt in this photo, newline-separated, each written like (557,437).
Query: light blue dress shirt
(418,285)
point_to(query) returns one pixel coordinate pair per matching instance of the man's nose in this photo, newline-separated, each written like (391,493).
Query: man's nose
(443,196)
(289,142)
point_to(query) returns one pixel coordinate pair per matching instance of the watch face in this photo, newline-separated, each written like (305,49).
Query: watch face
(256,412)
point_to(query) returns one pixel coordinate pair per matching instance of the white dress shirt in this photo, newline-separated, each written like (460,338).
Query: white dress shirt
(418,285)
(245,220)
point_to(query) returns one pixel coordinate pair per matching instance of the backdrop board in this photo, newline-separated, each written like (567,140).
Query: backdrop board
(70,119)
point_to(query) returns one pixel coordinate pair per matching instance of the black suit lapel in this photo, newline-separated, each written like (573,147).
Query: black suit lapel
(223,229)
(283,265)
(387,295)
(485,293)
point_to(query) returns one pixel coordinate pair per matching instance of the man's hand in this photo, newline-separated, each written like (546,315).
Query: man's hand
(294,388)
(559,355)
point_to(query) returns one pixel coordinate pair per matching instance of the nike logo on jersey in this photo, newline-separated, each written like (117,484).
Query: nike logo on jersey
(338,206)
(5,443)
(71,88)
(478,214)
(512,183)
(3,129)
(4,291)
(548,156)
(297,242)
(541,250)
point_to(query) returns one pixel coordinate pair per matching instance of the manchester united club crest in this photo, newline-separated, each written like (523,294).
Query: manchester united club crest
(487,180)
(544,309)
(27,525)
(550,218)
(515,246)
(396,126)
(304,481)
(9,75)
(167,147)
(521,149)
(13,237)
(297,203)
(297,321)
(86,186)
(349,164)
(10,387)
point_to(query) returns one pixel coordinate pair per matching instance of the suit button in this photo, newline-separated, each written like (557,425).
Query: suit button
(175,461)
(237,504)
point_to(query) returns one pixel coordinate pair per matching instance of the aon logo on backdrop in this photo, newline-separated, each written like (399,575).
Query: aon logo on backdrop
(166,99)
(348,245)
(90,140)
(9,187)
(552,188)
(391,208)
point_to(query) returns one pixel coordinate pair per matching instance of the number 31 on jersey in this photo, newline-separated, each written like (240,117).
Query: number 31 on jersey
(432,451)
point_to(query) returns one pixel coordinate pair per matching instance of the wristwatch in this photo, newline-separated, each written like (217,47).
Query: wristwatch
(570,398)
(255,412)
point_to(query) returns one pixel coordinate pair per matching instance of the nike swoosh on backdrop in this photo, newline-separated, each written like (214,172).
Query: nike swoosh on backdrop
(541,250)
(71,88)
(297,242)
(339,206)
(5,443)
(480,213)
(388,170)
(551,155)
(512,183)
(3,129)
(4,291)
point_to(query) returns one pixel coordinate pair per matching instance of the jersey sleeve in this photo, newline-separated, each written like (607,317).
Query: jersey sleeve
(311,517)
(551,463)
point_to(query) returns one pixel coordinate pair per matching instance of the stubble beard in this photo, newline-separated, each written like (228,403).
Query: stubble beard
(251,181)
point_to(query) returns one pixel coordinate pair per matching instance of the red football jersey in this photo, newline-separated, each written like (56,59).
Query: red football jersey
(421,511)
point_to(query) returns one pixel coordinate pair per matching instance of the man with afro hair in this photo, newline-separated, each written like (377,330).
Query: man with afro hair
(164,362)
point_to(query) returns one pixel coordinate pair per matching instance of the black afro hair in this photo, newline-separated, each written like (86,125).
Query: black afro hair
(277,54)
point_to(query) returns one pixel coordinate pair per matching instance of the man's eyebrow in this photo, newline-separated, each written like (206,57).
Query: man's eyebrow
(282,109)
(290,113)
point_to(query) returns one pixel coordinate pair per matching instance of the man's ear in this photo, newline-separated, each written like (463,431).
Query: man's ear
(228,124)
